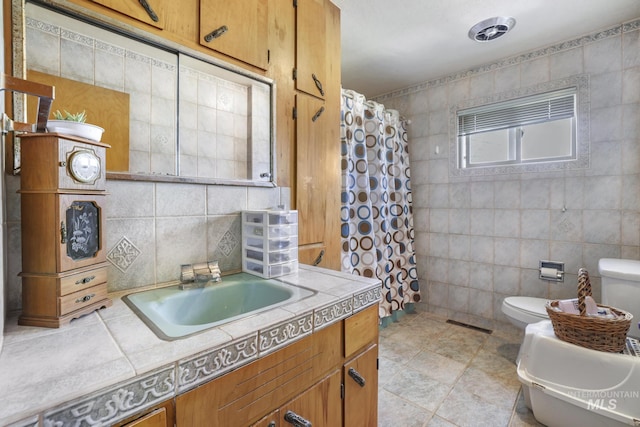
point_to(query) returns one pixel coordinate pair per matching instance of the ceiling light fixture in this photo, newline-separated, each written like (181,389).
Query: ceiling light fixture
(491,29)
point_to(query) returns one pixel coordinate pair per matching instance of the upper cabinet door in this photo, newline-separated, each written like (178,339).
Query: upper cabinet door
(238,29)
(311,47)
(148,11)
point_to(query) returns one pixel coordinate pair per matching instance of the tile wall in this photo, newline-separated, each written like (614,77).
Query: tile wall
(480,238)
(152,228)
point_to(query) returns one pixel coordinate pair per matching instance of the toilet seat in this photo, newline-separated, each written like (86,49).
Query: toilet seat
(522,311)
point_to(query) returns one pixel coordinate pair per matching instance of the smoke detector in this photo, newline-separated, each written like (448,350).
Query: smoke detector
(491,29)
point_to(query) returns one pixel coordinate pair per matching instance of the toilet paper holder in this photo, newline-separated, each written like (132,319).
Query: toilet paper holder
(551,270)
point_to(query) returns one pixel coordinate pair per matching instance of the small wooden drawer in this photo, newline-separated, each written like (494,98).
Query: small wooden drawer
(83,280)
(360,330)
(78,300)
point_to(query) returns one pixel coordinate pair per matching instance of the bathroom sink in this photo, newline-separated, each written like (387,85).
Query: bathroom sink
(173,313)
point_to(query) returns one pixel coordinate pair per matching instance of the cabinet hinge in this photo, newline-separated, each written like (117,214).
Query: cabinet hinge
(295,74)
(342,391)
(268,56)
(294,113)
(377,364)
(295,3)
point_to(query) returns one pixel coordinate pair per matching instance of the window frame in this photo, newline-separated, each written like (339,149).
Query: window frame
(579,158)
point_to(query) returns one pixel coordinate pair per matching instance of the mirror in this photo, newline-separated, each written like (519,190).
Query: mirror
(167,114)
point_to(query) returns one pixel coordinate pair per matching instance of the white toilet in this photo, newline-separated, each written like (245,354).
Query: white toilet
(522,311)
(620,289)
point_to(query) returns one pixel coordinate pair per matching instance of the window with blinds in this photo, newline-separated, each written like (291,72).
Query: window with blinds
(537,128)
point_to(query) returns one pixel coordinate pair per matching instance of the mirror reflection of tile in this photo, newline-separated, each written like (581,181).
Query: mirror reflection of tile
(223,130)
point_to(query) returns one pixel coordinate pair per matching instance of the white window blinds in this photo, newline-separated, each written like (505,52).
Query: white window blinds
(519,112)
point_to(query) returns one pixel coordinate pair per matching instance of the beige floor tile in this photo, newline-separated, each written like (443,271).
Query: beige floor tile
(435,374)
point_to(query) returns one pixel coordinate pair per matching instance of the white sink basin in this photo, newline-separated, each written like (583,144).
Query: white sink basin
(173,313)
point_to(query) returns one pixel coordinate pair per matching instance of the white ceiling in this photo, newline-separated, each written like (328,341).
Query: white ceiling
(390,45)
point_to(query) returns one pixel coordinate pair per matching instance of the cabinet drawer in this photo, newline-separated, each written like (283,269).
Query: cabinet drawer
(82,280)
(360,330)
(78,300)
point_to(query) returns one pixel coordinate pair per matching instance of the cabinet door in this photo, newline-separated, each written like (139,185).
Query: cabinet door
(361,390)
(311,47)
(311,189)
(148,11)
(238,29)
(320,405)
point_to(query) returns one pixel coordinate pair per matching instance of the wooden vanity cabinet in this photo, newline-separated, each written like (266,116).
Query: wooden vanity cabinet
(312,378)
(360,371)
(244,396)
(62,199)
(238,29)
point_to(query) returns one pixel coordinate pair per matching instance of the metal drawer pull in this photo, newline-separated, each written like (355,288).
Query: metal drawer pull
(356,377)
(216,33)
(85,280)
(318,84)
(317,114)
(296,420)
(149,10)
(85,298)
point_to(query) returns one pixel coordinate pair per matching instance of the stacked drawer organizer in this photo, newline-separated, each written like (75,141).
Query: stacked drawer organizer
(269,242)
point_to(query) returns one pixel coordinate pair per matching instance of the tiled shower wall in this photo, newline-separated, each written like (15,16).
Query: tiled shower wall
(152,228)
(479,239)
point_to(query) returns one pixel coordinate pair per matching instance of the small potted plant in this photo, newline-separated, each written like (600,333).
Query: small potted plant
(74,124)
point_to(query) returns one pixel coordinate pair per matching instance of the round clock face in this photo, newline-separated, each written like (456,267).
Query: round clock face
(84,166)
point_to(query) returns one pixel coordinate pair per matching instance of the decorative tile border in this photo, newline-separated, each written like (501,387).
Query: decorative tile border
(332,313)
(366,298)
(105,407)
(285,333)
(206,366)
(513,60)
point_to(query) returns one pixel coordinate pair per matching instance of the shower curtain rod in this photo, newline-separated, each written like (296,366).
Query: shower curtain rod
(371,104)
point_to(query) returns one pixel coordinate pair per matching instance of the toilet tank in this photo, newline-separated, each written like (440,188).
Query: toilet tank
(621,288)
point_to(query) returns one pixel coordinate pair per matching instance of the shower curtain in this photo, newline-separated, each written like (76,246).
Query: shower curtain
(377,220)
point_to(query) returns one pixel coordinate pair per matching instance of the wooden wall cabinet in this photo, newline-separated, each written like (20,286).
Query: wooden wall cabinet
(62,193)
(311,48)
(238,29)
(318,174)
(150,12)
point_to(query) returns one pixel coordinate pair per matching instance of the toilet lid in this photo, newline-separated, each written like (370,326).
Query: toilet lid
(528,304)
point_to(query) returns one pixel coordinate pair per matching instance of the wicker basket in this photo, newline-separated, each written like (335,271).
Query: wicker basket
(588,331)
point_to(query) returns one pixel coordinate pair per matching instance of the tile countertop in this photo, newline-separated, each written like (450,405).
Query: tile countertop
(108,365)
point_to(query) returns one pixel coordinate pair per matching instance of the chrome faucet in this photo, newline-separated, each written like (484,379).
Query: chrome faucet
(199,275)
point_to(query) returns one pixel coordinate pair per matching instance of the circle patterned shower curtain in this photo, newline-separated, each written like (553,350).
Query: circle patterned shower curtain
(377,220)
